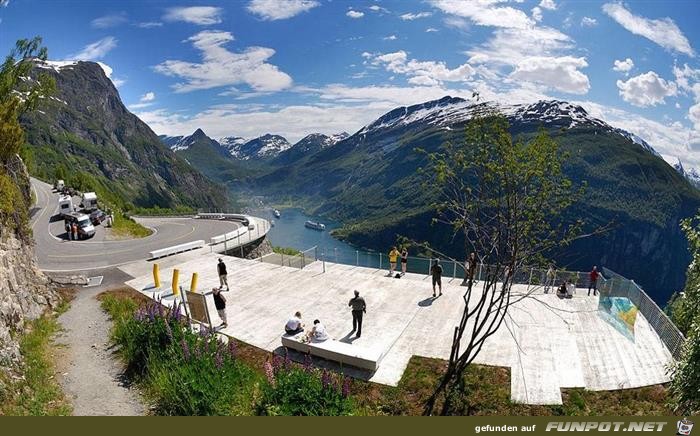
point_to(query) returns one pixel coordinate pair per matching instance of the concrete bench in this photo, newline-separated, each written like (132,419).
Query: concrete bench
(175,249)
(347,354)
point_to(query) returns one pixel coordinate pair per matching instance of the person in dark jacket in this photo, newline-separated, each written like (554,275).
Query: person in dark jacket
(220,304)
(359,307)
(436,272)
(222,274)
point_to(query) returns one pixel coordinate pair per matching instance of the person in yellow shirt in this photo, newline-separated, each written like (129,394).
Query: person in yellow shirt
(393,257)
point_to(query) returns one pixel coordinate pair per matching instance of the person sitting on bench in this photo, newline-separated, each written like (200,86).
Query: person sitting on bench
(294,325)
(561,291)
(318,332)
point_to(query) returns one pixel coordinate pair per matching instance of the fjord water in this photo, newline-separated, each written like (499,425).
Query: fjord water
(289,231)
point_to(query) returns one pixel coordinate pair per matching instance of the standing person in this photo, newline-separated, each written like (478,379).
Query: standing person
(220,304)
(393,256)
(593,281)
(68,230)
(549,279)
(436,272)
(404,261)
(221,267)
(74,231)
(359,307)
(471,262)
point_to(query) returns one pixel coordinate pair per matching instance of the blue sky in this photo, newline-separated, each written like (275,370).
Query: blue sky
(292,67)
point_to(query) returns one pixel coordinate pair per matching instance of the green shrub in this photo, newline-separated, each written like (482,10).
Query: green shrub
(303,391)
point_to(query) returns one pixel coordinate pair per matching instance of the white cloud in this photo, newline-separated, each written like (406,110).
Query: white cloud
(221,67)
(201,15)
(548,4)
(485,13)
(646,89)
(558,73)
(623,66)
(108,21)
(588,22)
(149,24)
(390,38)
(537,13)
(4,3)
(663,32)
(96,50)
(423,73)
(694,116)
(411,16)
(377,8)
(149,96)
(431,29)
(355,14)
(684,76)
(511,46)
(280,9)
(458,23)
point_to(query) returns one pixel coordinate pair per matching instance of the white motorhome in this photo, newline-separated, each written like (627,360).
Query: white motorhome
(65,205)
(85,227)
(89,201)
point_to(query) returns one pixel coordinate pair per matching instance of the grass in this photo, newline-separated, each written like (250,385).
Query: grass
(286,250)
(125,227)
(35,392)
(485,390)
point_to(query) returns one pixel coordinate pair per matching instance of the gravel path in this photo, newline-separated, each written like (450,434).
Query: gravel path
(89,372)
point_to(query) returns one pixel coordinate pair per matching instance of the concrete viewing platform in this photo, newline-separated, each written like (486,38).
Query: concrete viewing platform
(548,343)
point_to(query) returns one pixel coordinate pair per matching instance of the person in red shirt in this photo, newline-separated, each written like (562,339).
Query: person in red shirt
(593,281)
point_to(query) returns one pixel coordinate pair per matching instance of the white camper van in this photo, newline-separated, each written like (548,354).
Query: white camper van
(89,201)
(65,205)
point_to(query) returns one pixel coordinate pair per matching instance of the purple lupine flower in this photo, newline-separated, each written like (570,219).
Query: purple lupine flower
(198,351)
(168,330)
(232,348)
(203,330)
(269,372)
(346,387)
(219,359)
(287,361)
(151,312)
(277,364)
(160,310)
(185,349)
(326,379)
(308,363)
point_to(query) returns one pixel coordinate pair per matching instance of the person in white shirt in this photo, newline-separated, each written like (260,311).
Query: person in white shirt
(318,332)
(294,325)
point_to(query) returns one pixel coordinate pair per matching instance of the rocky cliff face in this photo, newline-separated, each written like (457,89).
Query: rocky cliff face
(25,292)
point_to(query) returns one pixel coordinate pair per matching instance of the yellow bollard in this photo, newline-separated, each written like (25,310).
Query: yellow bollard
(156,275)
(176,276)
(193,283)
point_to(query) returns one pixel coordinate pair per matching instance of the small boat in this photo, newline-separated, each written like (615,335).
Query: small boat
(276,213)
(315,225)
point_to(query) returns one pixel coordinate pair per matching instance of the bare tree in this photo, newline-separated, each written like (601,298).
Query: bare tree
(507,199)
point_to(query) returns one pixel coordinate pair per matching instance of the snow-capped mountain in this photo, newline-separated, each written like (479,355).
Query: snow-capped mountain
(691,174)
(308,145)
(449,111)
(263,147)
(233,144)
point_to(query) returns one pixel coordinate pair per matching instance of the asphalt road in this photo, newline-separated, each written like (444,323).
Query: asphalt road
(55,253)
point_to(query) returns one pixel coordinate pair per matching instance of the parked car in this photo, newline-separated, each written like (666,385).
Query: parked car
(85,227)
(97,217)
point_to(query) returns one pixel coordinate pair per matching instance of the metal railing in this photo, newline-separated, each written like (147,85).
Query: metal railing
(300,260)
(616,285)
(239,240)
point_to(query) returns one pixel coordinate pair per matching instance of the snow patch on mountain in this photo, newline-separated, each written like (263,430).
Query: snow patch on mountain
(448,111)
(690,174)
